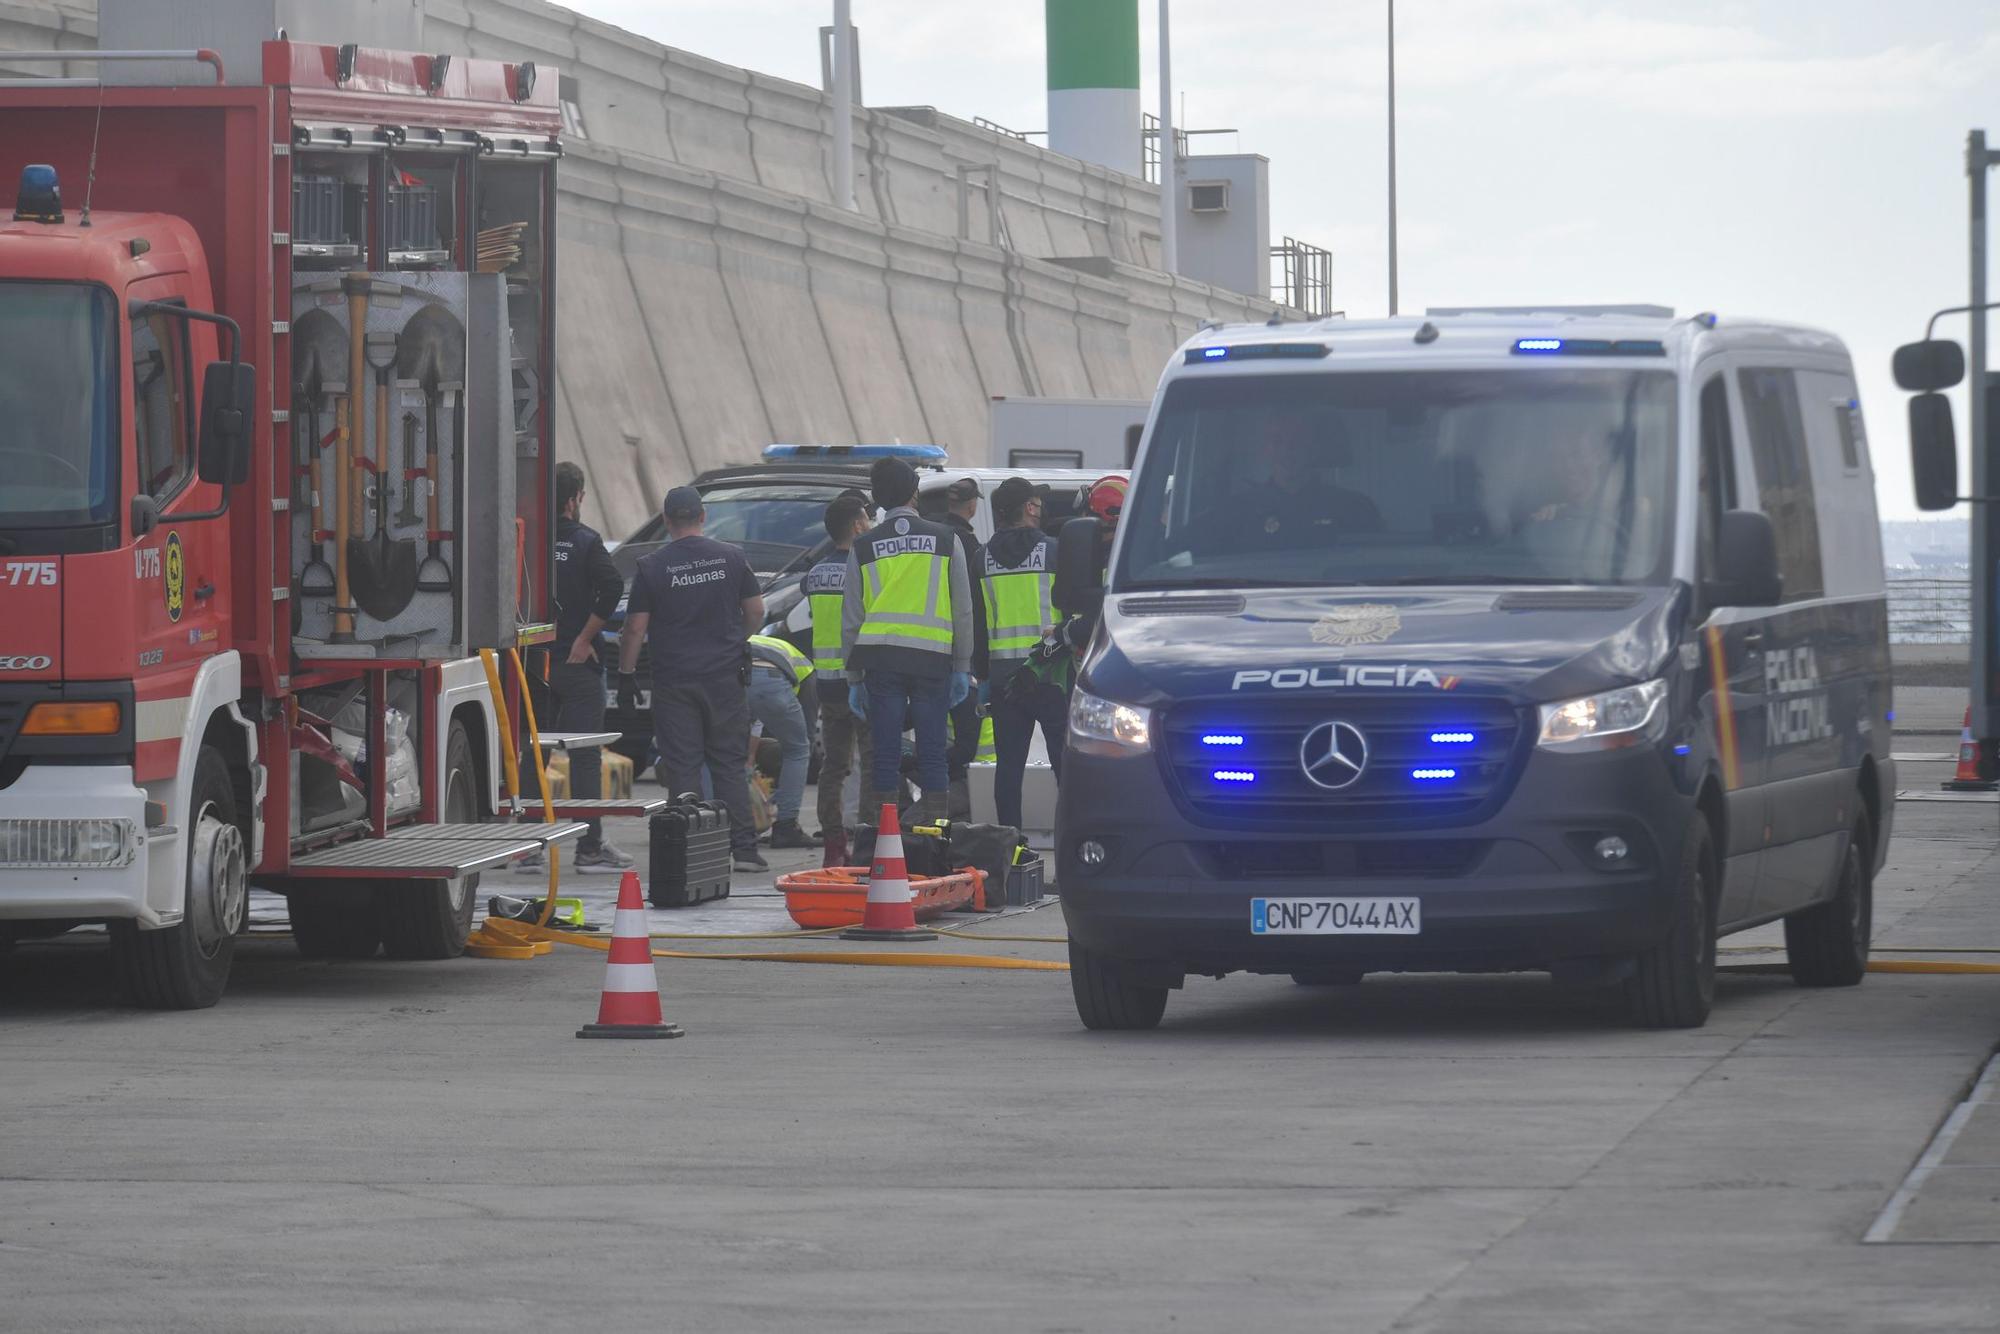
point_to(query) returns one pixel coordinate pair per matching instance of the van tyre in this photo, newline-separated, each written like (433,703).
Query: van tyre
(1105,1000)
(1827,944)
(186,966)
(1673,984)
(335,924)
(430,919)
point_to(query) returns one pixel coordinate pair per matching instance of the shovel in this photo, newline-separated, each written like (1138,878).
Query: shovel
(318,348)
(431,350)
(381,570)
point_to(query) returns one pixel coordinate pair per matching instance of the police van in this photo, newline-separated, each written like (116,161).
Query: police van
(1482,643)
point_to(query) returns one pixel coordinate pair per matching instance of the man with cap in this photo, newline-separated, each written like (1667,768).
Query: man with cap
(906,636)
(961,504)
(1017,584)
(693,605)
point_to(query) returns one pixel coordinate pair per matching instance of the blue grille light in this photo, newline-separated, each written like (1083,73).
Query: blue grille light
(1682,749)
(1433,775)
(1234,776)
(1453,738)
(1222,739)
(1890,716)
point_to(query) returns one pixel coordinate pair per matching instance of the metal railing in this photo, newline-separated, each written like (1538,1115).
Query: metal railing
(1304,277)
(1924,610)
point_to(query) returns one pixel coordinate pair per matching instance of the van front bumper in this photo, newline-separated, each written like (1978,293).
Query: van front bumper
(74,846)
(1519,890)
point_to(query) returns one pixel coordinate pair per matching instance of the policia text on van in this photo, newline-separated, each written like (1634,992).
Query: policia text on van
(1483,643)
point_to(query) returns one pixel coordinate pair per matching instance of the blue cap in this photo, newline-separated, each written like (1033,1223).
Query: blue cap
(683,502)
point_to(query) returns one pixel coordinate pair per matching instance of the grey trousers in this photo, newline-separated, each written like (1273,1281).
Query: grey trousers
(705,721)
(578,689)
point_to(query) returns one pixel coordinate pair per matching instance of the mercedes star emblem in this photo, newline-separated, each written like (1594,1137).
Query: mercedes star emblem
(1333,755)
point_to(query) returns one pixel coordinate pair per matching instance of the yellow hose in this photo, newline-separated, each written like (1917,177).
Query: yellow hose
(507,764)
(542,773)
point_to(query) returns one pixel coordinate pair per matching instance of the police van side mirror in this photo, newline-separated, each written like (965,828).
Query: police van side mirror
(1933,452)
(1746,561)
(1079,583)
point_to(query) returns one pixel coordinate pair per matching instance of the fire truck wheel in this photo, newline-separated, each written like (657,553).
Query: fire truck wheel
(335,923)
(186,966)
(430,919)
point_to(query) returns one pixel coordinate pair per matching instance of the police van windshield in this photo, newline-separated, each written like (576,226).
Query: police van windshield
(58,419)
(1523,476)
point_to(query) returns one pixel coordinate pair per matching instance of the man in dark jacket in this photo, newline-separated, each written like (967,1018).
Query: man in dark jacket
(587,591)
(961,504)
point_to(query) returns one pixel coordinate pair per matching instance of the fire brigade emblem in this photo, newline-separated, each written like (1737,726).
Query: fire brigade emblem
(176,577)
(1357,623)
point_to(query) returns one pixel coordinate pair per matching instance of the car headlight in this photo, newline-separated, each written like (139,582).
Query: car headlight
(1627,717)
(1098,726)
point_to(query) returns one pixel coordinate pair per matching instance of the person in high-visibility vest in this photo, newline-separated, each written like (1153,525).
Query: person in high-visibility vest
(906,636)
(778,673)
(1018,584)
(842,735)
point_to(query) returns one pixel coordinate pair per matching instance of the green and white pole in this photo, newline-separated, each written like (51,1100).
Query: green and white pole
(1093,50)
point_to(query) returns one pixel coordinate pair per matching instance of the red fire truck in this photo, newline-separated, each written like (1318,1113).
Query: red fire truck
(276,364)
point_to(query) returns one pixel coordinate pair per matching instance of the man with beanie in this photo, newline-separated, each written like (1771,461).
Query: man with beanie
(841,733)
(906,636)
(693,604)
(1017,584)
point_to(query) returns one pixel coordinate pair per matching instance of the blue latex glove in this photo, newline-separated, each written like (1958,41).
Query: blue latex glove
(857,700)
(961,686)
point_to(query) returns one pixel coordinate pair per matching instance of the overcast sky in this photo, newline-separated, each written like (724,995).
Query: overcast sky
(1797,159)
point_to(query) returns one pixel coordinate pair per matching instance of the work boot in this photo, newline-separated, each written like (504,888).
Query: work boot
(958,799)
(787,834)
(748,860)
(929,810)
(834,841)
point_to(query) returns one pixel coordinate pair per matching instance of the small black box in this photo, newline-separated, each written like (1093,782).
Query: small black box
(690,855)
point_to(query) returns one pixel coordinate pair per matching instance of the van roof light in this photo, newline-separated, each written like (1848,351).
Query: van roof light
(1197,356)
(914,453)
(1590,347)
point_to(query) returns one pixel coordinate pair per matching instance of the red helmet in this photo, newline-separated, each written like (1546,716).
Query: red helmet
(1105,497)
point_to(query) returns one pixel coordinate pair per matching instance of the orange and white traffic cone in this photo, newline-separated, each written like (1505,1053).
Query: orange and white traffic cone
(888,914)
(631,1004)
(1970,776)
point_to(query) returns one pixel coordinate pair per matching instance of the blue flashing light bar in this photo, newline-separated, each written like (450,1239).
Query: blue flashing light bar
(1590,347)
(1256,352)
(1222,739)
(914,453)
(1453,738)
(1433,775)
(1234,776)
(1683,748)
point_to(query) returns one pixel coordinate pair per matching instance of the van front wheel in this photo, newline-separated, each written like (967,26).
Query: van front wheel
(1673,984)
(1105,1000)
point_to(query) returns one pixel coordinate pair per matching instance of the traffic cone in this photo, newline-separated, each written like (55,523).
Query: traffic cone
(631,1004)
(1969,777)
(888,914)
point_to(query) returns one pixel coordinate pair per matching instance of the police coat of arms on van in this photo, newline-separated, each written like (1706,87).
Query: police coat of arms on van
(1357,623)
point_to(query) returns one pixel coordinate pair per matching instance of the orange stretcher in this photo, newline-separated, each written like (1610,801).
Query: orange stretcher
(833,896)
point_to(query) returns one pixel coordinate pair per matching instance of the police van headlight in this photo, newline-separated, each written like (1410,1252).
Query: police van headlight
(1632,716)
(1100,727)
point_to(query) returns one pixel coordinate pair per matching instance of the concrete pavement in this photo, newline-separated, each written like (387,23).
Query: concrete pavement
(393,1146)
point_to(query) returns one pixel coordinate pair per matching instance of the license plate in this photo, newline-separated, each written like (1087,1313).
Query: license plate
(1335,917)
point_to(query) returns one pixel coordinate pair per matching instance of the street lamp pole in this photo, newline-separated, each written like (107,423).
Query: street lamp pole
(843,105)
(1392,155)
(1170,182)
